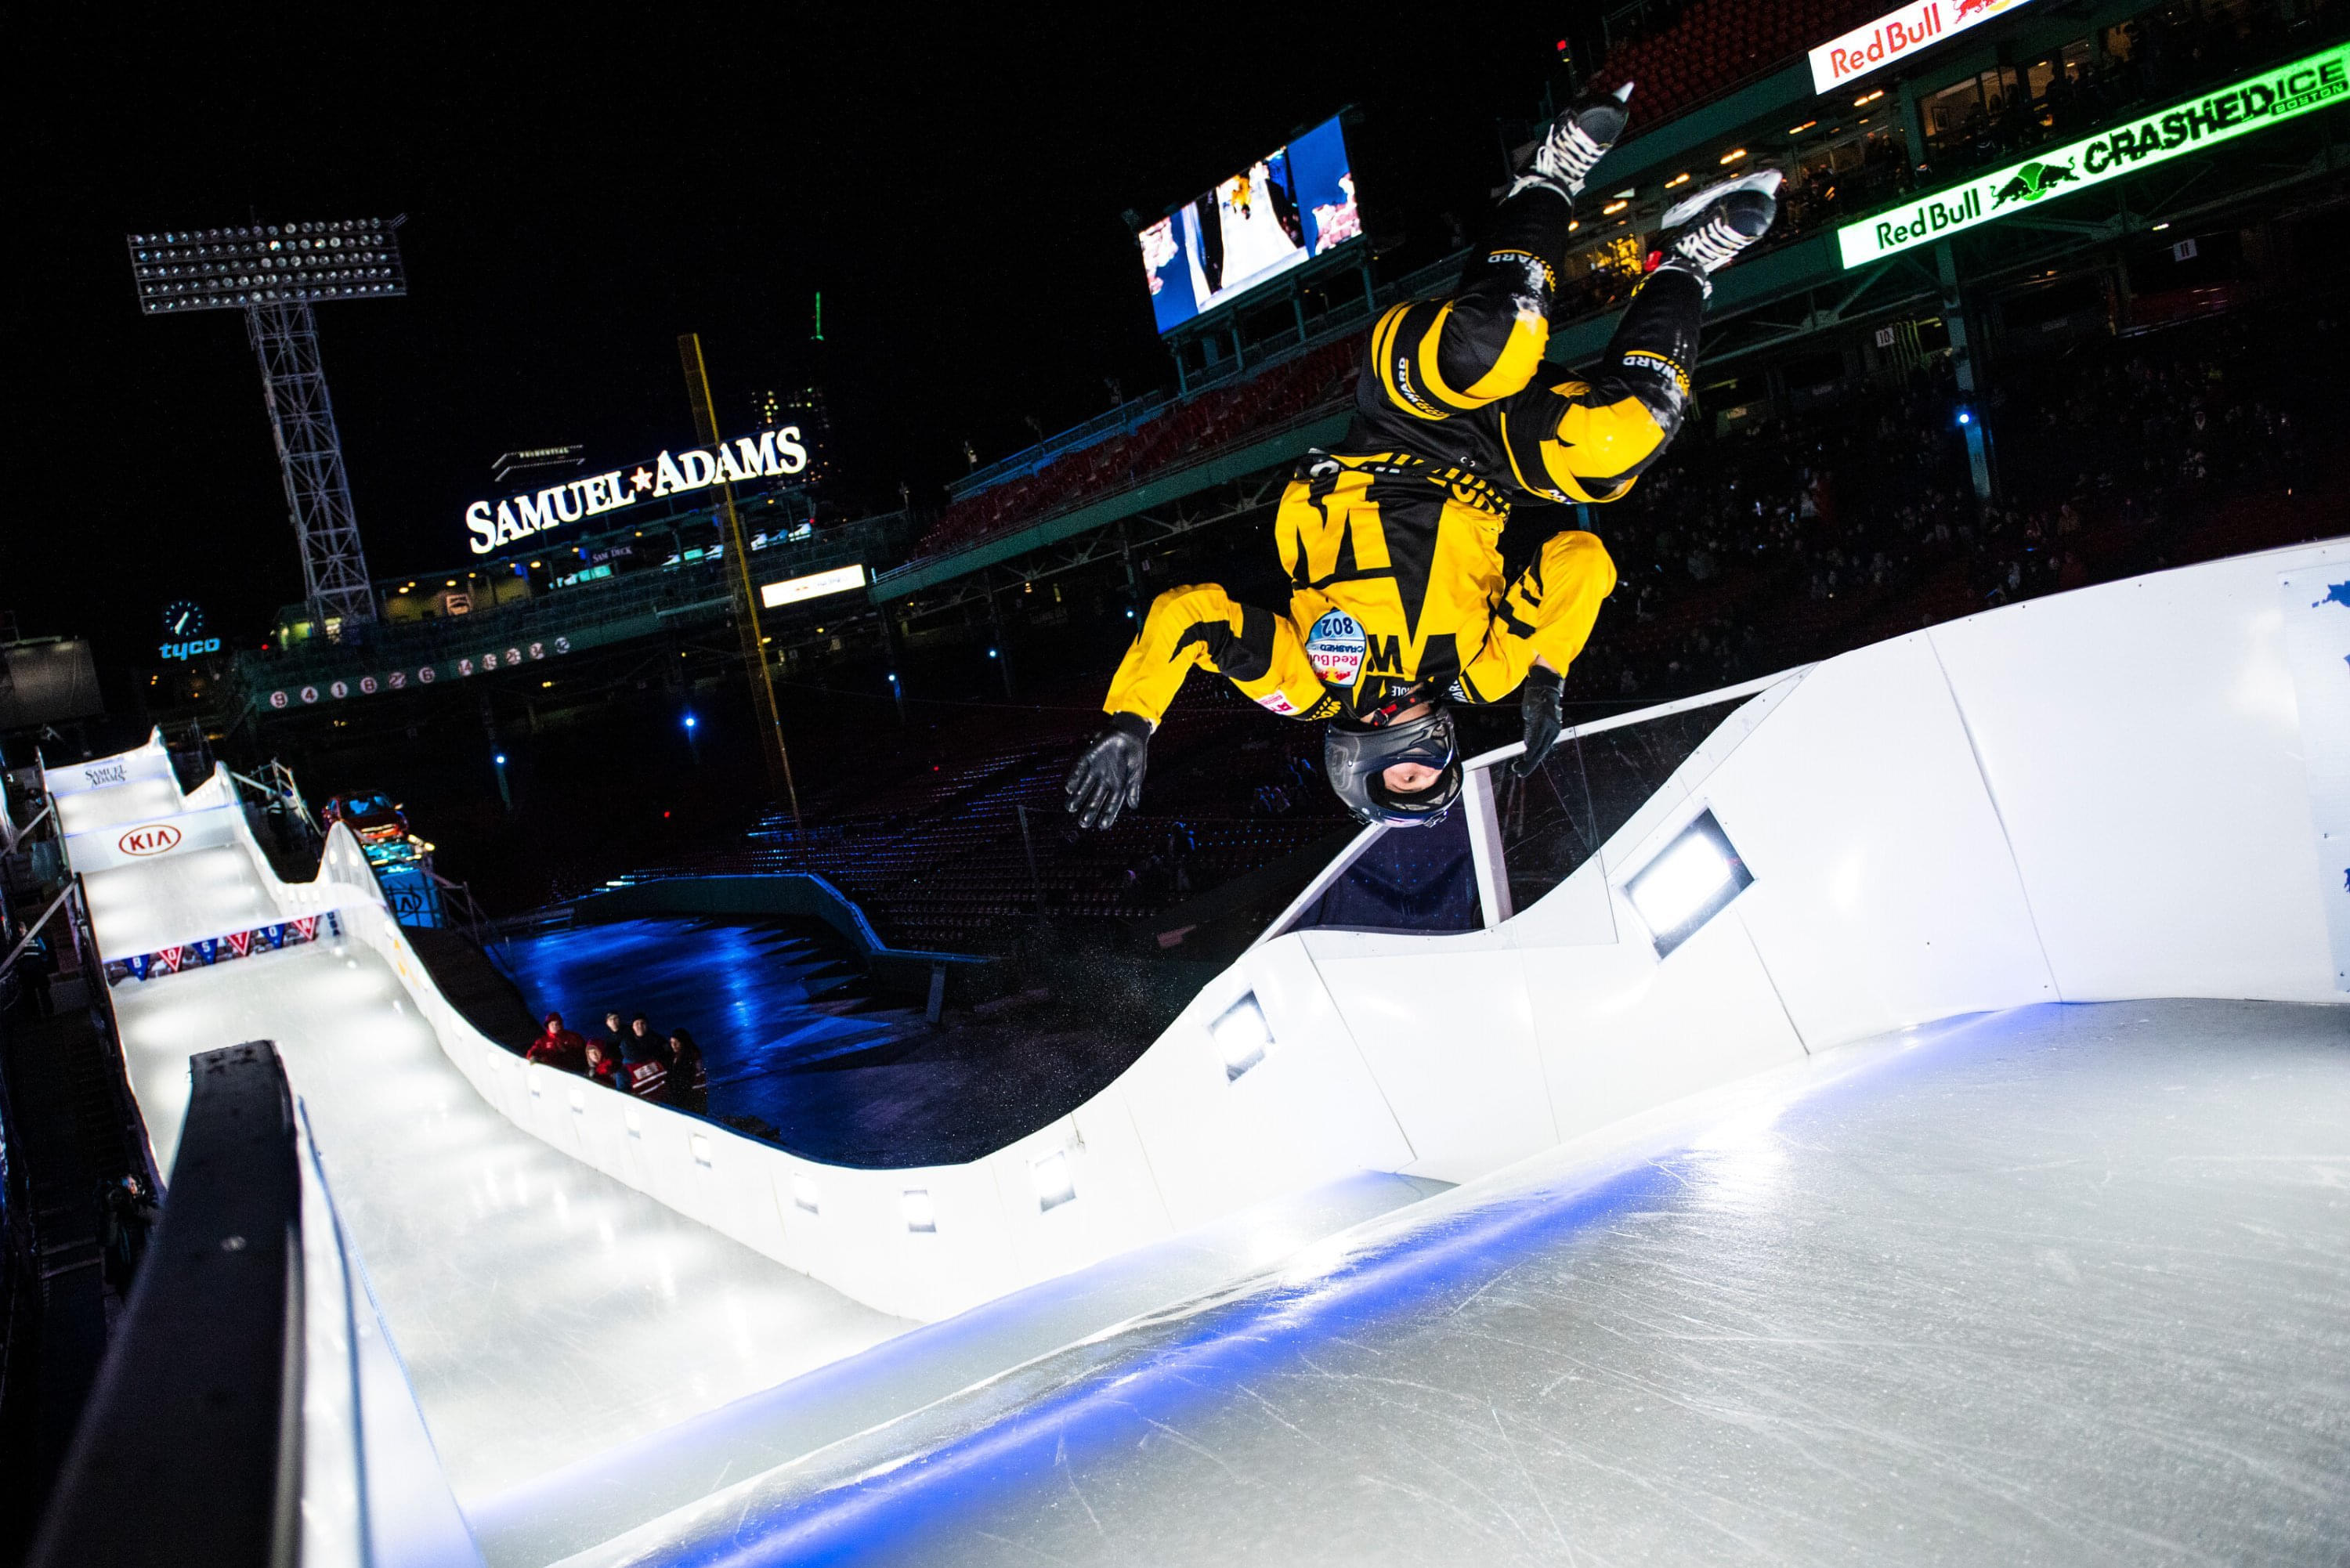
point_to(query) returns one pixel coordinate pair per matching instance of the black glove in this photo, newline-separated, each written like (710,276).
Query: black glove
(1108,775)
(1538,701)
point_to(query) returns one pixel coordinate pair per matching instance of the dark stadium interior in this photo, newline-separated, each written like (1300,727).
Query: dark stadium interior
(910,243)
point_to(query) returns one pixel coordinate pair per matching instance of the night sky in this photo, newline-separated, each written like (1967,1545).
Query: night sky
(580,191)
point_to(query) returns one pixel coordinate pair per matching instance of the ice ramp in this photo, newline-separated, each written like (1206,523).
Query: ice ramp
(2098,795)
(2115,794)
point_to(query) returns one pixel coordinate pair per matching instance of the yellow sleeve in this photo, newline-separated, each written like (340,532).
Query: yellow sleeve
(1438,357)
(1203,625)
(1549,610)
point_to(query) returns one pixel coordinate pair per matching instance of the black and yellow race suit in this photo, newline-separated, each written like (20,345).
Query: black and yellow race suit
(1392,543)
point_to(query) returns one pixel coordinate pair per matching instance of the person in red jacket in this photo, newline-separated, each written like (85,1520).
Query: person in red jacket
(558,1047)
(604,1064)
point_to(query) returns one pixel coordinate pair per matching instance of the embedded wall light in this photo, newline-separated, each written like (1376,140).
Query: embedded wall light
(804,1197)
(1688,882)
(701,1153)
(921,1216)
(1050,1177)
(1240,1034)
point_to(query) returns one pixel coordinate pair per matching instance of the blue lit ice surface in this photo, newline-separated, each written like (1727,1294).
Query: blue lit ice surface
(2062,1285)
(746,993)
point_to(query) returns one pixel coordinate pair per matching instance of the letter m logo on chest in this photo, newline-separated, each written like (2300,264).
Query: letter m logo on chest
(1384,656)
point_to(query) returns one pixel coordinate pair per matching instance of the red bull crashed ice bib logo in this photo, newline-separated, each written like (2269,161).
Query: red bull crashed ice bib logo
(1335,648)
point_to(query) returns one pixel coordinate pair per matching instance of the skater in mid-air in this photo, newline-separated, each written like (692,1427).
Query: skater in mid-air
(1391,543)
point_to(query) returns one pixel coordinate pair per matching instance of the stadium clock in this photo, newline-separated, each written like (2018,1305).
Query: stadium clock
(183,627)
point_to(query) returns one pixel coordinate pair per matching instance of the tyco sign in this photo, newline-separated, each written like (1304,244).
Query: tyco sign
(2249,106)
(770,454)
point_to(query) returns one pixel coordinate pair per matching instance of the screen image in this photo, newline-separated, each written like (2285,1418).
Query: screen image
(1294,203)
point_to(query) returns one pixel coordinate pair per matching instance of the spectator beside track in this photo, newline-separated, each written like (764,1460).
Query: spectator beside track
(127,1212)
(557,1047)
(615,1036)
(645,1073)
(689,1079)
(603,1063)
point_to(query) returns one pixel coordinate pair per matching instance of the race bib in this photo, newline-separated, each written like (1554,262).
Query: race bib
(1335,648)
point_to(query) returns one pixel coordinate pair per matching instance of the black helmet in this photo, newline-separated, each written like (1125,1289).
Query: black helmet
(1354,754)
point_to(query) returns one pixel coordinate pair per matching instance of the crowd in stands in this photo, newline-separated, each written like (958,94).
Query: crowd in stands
(631,1058)
(1262,402)
(1787,540)
(2163,54)
(1710,45)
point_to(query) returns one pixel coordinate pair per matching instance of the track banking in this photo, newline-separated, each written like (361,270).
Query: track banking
(2234,111)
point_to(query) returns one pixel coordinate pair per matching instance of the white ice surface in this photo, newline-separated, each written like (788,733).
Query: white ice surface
(545,1311)
(2060,1285)
(180,897)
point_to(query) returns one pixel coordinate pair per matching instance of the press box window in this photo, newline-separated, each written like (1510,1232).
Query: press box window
(1689,881)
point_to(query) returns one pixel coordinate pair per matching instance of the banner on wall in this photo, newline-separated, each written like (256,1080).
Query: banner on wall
(206,951)
(489,661)
(120,844)
(104,773)
(2316,604)
(2318,81)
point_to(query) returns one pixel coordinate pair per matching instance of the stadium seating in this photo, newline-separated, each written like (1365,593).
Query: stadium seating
(1273,397)
(1717,44)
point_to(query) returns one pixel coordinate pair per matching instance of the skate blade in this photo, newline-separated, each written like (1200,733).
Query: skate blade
(1764,180)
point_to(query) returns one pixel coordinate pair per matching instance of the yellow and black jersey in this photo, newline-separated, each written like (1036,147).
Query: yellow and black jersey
(1461,381)
(1392,543)
(1379,611)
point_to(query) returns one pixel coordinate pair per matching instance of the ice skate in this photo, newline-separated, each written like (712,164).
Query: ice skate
(1575,142)
(1717,223)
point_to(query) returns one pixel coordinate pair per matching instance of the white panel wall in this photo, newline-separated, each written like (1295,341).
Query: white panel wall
(2094,795)
(1884,892)
(2141,740)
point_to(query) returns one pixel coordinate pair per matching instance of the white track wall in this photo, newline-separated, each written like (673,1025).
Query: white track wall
(2094,796)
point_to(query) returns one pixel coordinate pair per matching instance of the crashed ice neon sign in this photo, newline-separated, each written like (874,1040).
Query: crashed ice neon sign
(2254,104)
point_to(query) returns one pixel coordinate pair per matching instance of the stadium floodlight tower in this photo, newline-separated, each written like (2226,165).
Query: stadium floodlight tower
(275,272)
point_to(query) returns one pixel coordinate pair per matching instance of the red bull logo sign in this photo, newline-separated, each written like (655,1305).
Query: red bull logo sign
(1895,36)
(2238,109)
(153,839)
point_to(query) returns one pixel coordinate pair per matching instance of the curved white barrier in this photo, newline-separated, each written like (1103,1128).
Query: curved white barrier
(2094,796)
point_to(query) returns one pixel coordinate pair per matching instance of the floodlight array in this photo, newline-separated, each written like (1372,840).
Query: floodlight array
(266,264)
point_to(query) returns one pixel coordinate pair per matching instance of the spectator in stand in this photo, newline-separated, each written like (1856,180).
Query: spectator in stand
(127,1211)
(689,1079)
(557,1047)
(603,1063)
(644,1072)
(644,1040)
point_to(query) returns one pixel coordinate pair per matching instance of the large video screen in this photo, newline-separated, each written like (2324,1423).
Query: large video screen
(1294,203)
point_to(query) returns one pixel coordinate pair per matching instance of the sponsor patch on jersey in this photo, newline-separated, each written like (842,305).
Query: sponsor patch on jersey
(1277,702)
(1334,648)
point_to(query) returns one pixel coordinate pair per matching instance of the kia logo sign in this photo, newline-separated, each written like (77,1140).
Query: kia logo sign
(156,839)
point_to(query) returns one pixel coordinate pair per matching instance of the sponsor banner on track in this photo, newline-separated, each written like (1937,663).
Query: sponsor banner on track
(227,947)
(2317,82)
(1898,35)
(105,772)
(120,844)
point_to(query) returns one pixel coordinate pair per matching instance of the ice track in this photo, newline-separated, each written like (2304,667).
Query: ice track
(1973,1187)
